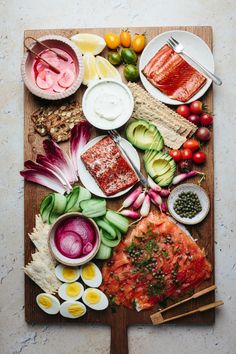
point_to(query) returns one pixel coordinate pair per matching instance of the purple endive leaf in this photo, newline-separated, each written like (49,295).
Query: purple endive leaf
(60,158)
(80,135)
(44,161)
(45,178)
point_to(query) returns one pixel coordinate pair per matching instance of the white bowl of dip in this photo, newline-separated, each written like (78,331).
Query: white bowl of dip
(108,104)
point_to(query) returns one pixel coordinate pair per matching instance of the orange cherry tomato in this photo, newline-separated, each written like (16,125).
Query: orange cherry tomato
(112,40)
(191,144)
(139,42)
(125,38)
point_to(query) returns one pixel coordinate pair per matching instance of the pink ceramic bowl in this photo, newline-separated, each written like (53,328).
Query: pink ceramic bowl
(66,260)
(59,42)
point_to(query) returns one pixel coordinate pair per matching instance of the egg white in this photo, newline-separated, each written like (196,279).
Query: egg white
(59,273)
(54,309)
(101,305)
(96,281)
(64,309)
(63,295)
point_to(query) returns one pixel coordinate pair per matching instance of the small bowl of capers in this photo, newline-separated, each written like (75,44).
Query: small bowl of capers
(188,203)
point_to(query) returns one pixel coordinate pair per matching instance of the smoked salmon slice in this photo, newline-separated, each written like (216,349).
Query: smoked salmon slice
(172,75)
(156,261)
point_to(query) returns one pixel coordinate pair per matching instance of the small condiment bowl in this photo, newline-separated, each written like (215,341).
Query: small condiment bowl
(59,42)
(72,262)
(203,198)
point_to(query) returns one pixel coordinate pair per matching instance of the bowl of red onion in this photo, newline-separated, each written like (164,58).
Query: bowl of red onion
(56,70)
(74,239)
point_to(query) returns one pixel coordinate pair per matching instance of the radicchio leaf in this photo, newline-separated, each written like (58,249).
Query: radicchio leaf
(60,158)
(80,135)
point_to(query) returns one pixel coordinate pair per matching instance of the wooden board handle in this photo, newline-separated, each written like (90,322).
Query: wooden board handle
(119,339)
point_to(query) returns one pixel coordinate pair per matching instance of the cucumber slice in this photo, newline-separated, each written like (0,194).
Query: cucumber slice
(94,213)
(108,236)
(110,243)
(77,195)
(59,205)
(46,206)
(93,204)
(104,252)
(118,220)
(107,227)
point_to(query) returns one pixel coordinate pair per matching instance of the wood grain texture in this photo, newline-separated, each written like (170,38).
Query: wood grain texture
(204,233)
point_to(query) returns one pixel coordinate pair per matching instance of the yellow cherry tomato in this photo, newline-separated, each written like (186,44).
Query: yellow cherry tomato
(125,38)
(138,43)
(112,40)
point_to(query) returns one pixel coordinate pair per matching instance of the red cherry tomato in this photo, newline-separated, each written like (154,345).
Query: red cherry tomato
(203,134)
(187,154)
(196,107)
(176,155)
(183,110)
(199,157)
(191,144)
(194,118)
(206,119)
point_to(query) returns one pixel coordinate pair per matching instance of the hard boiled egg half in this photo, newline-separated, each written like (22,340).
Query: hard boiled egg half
(91,275)
(67,274)
(72,309)
(95,299)
(71,291)
(48,303)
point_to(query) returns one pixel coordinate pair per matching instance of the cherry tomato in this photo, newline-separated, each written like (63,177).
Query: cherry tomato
(199,157)
(187,154)
(112,40)
(176,155)
(185,166)
(196,107)
(194,118)
(203,134)
(125,38)
(191,144)
(138,43)
(183,110)
(206,119)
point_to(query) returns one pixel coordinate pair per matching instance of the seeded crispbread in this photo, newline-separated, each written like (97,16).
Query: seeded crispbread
(174,128)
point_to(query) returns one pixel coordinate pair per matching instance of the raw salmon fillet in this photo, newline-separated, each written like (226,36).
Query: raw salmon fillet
(172,75)
(108,166)
(156,261)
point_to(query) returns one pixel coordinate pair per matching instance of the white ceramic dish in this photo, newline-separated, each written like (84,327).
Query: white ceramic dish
(203,197)
(72,262)
(90,183)
(59,42)
(193,45)
(99,90)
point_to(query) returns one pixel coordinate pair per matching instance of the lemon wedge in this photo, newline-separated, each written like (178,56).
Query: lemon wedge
(89,43)
(106,70)
(90,72)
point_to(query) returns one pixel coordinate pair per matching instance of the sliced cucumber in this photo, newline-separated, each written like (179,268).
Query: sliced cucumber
(119,221)
(104,252)
(94,213)
(77,195)
(93,208)
(52,207)
(107,227)
(110,243)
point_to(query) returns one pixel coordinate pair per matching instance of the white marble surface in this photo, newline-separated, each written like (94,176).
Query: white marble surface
(15,16)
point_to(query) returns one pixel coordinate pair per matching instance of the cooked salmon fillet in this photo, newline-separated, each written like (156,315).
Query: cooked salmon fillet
(172,75)
(157,260)
(108,166)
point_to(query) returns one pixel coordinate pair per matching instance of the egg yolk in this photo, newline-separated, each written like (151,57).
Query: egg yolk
(45,302)
(75,310)
(73,289)
(93,297)
(88,271)
(68,273)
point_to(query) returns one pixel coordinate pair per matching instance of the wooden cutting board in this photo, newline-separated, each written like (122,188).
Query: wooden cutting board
(204,233)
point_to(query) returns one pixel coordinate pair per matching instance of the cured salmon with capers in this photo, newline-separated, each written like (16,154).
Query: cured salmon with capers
(156,261)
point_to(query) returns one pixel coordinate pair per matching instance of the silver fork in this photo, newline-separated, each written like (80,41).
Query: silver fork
(117,139)
(179,48)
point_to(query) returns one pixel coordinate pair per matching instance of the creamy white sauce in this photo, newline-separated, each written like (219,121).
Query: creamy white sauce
(108,106)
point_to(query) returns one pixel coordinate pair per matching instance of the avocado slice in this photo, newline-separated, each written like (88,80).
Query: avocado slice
(144,135)
(160,166)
